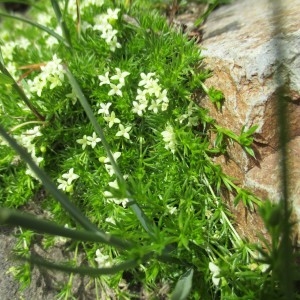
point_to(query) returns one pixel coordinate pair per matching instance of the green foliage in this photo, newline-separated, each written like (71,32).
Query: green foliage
(101,99)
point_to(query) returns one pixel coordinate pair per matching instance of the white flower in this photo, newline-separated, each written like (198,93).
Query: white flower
(85,25)
(139,108)
(101,24)
(141,96)
(23,43)
(124,131)
(83,142)
(7,50)
(152,87)
(115,155)
(162,97)
(63,184)
(110,220)
(112,14)
(264,267)
(104,108)
(110,169)
(104,79)
(215,271)
(114,44)
(120,76)
(108,35)
(37,161)
(169,138)
(52,72)
(34,132)
(154,106)
(172,209)
(102,260)
(87,3)
(44,19)
(145,78)
(111,119)
(70,176)
(115,90)
(93,140)
(37,85)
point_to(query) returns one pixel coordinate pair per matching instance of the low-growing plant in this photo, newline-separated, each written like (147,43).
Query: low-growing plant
(101,133)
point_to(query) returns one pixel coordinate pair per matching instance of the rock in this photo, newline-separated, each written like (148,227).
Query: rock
(239,42)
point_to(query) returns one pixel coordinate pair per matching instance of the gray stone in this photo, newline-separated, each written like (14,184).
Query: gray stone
(240,43)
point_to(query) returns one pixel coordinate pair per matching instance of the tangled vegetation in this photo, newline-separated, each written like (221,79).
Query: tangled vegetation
(99,98)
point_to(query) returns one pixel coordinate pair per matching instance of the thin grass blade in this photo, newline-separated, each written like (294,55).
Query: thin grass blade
(29,221)
(92,272)
(42,27)
(61,22)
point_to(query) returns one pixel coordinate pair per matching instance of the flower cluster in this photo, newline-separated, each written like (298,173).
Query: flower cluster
(151,92)
(89,141)
(118,81)
(109,168)
(215,272)
(102,260)
(8,47)
(108,33)
(66,183)
(169,138)
(52,72)
(27,141)
(109,195)
(193,120)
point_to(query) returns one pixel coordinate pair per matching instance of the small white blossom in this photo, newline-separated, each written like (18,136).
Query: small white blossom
(145,79)
(141,96)
(83,142)
(93,140)
(87,3)
(37,85)
(124,131)
(162,97)
(172,209)
(152,87)
(154,106)
(63,184)
(115,155)
(104,108)
(120,76)
(104,79)
(23,43)
(85,25)
(110,220)
(115,90)
(215,271)
(112,14)
(102,260)
(35,132)
(111,119)
(37,161)
(169,138)
(70,176)
(139,108)
(114,44)
(109,35)
(110,169)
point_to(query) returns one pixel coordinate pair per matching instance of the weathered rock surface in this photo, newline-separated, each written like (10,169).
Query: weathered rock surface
(239,43)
